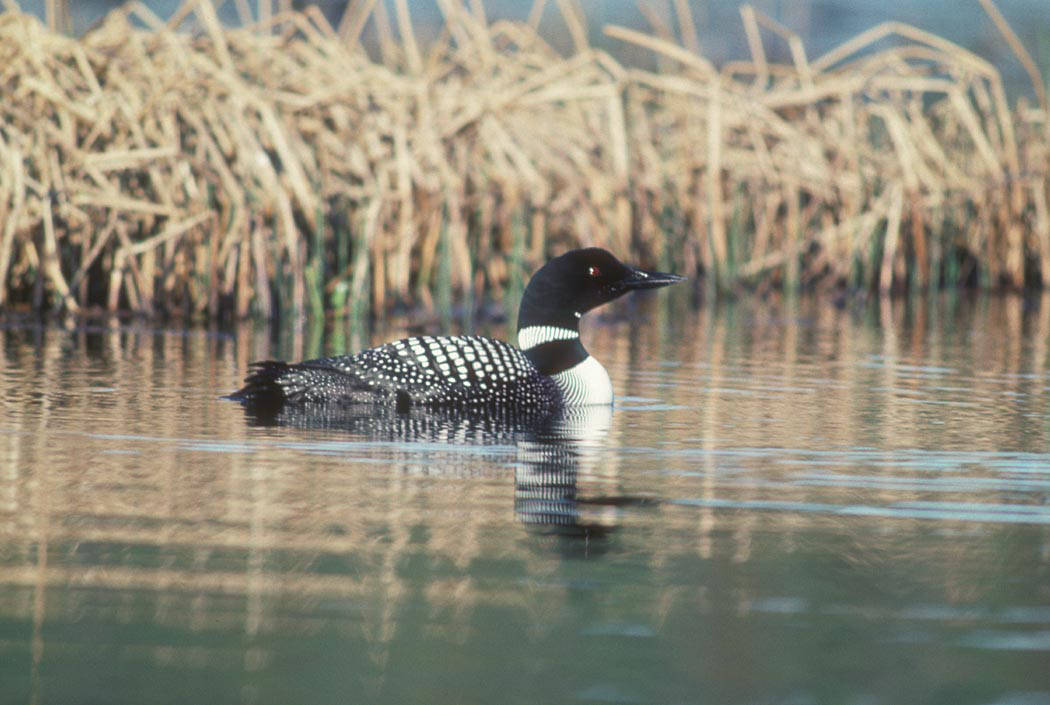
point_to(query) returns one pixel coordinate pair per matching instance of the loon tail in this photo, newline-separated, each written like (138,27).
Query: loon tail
(271,384)
(262,385)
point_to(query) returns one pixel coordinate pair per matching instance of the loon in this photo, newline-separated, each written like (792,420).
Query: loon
(550,369)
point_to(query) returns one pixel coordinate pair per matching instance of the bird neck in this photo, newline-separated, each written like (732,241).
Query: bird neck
(542,306)
(549,335)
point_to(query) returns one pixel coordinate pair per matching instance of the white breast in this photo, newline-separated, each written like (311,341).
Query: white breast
(586,383)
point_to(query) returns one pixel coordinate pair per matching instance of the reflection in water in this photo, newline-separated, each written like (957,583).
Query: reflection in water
(553,449)
(804,504)
(550,463)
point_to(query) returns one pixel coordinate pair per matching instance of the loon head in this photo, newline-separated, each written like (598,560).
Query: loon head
(572,284)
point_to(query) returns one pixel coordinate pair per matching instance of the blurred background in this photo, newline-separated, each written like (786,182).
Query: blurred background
(822,24)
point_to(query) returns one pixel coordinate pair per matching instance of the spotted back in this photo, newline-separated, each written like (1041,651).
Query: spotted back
(434,371)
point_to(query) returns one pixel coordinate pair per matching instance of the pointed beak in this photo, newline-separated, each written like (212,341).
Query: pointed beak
(640,279)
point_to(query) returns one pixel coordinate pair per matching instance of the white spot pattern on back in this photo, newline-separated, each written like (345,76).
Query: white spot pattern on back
(431,371)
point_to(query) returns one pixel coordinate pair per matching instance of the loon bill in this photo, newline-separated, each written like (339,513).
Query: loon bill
(550,370)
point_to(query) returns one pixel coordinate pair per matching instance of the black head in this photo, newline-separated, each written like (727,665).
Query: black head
(571,285)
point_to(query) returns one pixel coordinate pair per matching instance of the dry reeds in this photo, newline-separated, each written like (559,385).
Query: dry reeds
(193,167)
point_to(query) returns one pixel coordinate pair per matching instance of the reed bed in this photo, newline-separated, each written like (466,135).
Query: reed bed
(183,166)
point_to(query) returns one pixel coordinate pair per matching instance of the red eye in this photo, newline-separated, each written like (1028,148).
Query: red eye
(593,271)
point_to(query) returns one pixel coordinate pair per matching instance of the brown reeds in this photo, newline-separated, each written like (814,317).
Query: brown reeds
(198,168)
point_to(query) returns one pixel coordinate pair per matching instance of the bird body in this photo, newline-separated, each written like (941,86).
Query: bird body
(551,368)
(466,371)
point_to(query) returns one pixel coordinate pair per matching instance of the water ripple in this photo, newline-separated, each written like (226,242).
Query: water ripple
(953,511)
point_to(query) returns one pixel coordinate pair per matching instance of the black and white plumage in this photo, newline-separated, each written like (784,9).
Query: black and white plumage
(550,370)
(462,371)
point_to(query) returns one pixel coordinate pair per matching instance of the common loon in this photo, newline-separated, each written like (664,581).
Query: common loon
(550,370)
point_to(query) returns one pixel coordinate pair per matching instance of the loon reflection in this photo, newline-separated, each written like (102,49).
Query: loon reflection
(557,454)
(550,465)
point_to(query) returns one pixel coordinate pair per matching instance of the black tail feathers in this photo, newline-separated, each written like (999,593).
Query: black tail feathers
(260,386)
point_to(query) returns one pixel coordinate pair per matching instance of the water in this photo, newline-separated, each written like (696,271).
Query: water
(789,504)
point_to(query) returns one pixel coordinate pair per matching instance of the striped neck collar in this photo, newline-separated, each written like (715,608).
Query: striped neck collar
(531,336)
(552,349)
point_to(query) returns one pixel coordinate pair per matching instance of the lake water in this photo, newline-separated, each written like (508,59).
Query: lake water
(790,503)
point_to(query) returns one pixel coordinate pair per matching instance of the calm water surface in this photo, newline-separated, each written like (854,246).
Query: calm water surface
(789,504)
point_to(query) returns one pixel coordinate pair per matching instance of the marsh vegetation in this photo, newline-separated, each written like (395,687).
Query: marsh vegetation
(184,166)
